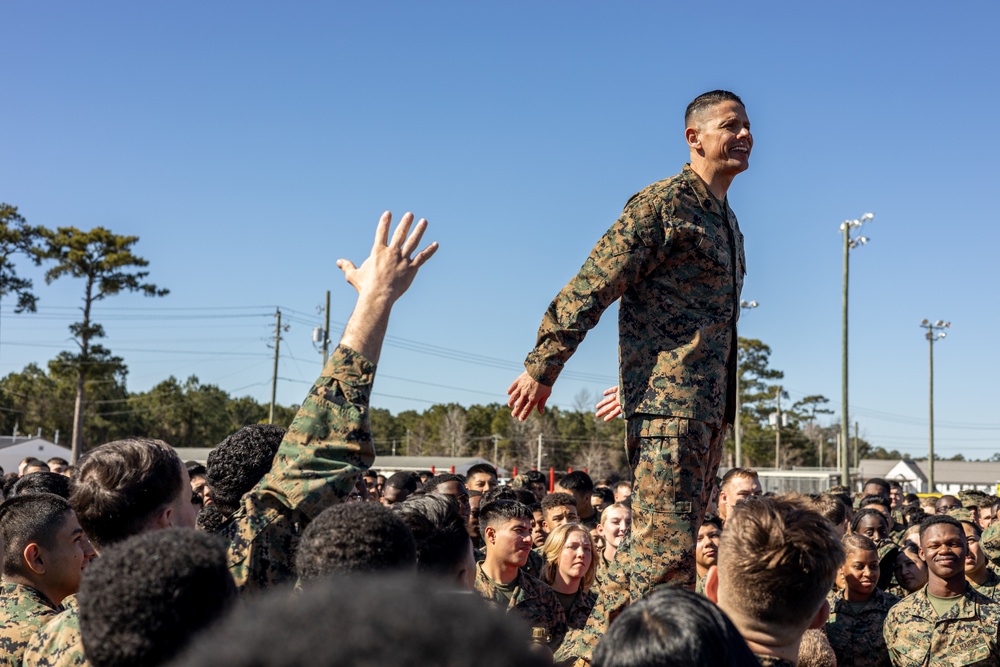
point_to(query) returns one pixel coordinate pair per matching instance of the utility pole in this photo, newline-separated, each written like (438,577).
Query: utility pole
(777,434)
(738,427)
(934,333)
(496,442)
(856,462)
(274,377)
(539,451)
(326,330)
(849,244)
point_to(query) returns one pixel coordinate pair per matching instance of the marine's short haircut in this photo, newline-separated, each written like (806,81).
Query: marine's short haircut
(32,518)
(577,482)
(501,511)
(404,481)
(42,482)
(145,598)
(874,500)
(370,473)
(552,550)
(361,621)
(673,627)
(708,100)
(935,519)
(712,520)
(210,519)
(815,650)
(623,483)
(499,493)
(439,532)
(121,486)
(58,460)
(195,469)
(866,512)
(237,463)
(893,484)
(355,538)
(857,542)
(831,507)
(524,496)
(606,494)
(732,473)
(559,499)
(879,482)
(778,558)
(481,468)
(436,481)
(535,477)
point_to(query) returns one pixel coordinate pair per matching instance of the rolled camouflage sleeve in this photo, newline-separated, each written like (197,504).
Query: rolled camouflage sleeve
(627,252)
(322,455)
(329,444)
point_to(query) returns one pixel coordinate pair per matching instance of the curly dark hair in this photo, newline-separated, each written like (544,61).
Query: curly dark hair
(355,537)
(357,621)
(240,461)
(146,597)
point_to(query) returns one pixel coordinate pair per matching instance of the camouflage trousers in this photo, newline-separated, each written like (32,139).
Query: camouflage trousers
(671,460)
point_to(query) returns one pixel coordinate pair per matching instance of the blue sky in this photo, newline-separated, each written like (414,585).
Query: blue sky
(250,145)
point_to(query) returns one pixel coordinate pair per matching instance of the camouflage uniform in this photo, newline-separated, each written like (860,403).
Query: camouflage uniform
(327,447)
(23,611)
(857,638)
(966,635)
(988,587)
(576,618)
(532,600)
(58,644)
(535,563)
(990,542)
(675,258)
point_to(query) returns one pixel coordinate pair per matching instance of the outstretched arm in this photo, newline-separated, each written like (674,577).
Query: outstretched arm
(381,280)
(525,393)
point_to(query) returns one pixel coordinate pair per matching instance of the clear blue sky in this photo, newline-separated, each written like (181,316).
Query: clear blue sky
(250,145)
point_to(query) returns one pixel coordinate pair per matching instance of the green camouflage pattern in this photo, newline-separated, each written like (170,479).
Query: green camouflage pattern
(532,601)
(535,563)
(988,587)
(576,620)
(966,635)
(675,259)
(670,458)
(326,449)
(58,644)
(858,638)
(990,543)
(23,612)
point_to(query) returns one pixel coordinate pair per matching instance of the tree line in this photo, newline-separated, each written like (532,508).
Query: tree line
(83,393)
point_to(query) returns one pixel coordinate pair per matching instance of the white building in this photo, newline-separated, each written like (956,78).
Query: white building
(950,477)
(14,449)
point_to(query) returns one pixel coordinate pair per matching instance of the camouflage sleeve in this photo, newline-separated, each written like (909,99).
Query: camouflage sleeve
(329,444)
(629,250)
(325,450)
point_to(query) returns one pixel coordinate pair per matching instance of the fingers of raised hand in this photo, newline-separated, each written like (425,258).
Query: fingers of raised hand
(413,240)
(402,229)
(382,230)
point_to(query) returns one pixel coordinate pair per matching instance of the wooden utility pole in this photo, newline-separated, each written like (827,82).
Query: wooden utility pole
(274,377)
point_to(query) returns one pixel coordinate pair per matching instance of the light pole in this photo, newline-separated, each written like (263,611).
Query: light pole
(934,332)
(745,305)
(849,244)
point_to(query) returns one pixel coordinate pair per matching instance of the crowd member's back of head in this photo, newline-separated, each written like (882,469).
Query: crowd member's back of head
(363,621)
(832,508)
(355,537)
(126,487)
(777,562)
(442,540)
(145,598)
(41,482)
(673,627)
(237,463)
(33,465)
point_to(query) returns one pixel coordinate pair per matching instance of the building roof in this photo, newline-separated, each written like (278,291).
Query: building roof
(945,472)
(439,463)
